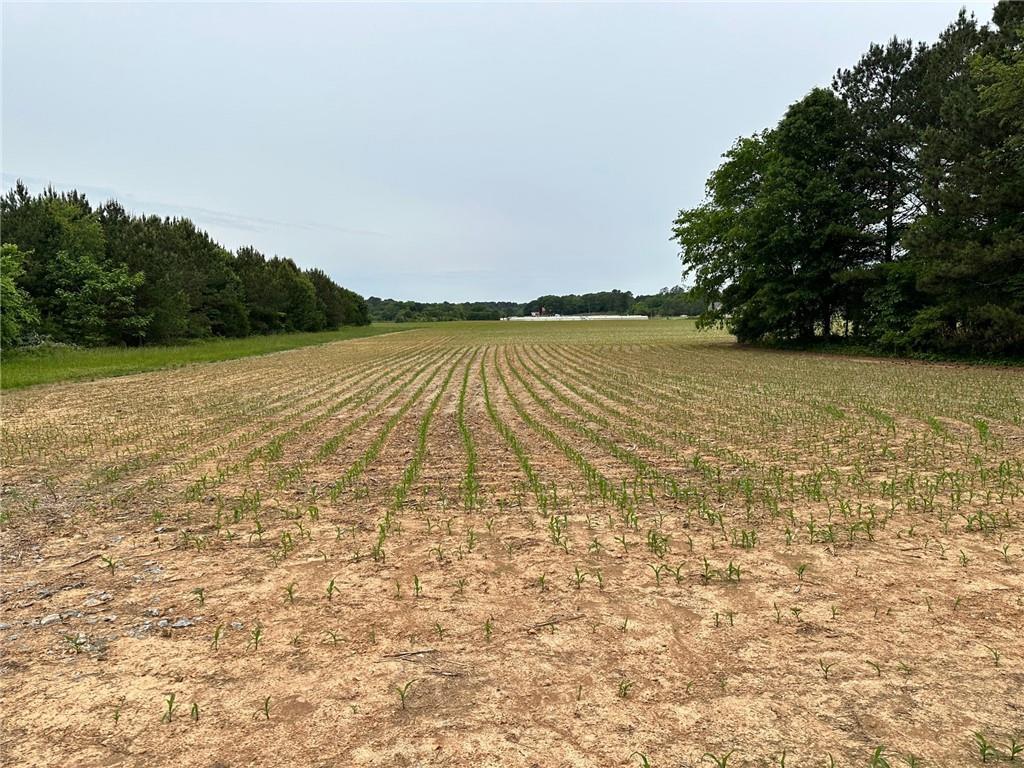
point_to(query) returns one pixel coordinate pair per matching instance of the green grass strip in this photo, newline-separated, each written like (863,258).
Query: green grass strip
(26,368)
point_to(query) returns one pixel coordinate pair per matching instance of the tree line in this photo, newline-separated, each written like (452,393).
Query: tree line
(669,302)
(76,274)
(395,311)
(886,210)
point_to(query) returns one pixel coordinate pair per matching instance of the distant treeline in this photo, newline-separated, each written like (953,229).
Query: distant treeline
(887,210)
(75,274)
(669,302)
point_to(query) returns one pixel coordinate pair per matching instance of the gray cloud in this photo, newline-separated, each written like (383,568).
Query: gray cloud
(202,216)
(430,151)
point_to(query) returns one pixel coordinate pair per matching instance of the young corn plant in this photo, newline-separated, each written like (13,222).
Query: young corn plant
(578,577)
(169,707)
(264,710)
(825,668)
(255,637)
(117,709)
(878,758)
(658,570)
(986,750)
(403,692)
(719,761)
(1013,749)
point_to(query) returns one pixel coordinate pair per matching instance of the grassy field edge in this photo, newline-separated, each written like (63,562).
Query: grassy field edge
(27,368)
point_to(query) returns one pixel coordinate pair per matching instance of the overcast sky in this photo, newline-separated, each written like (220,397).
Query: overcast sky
(441,151)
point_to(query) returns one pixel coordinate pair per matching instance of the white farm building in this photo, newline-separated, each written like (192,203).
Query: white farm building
(544,318)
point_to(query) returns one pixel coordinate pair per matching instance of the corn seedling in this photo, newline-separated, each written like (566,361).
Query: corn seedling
(169,707)
(878,758)
(255,637)
(264,710)
(985,749)
(117,709)
(719,761)
(1013,749)
(77,643)
(658,569)
(578,577)
(403,692)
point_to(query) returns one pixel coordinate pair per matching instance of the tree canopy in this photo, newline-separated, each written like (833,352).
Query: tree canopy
(88,276)
(888,209)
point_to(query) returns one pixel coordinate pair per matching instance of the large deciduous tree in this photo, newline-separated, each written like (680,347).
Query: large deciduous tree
(894,207)
(781,225)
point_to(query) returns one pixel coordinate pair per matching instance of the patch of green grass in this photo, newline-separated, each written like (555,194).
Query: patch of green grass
(25,368)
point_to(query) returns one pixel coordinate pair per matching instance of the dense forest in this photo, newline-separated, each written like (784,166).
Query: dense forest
(669,302)
(76,274)
(887,210)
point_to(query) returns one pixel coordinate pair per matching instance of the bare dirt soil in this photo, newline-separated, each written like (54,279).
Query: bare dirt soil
(485,545)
